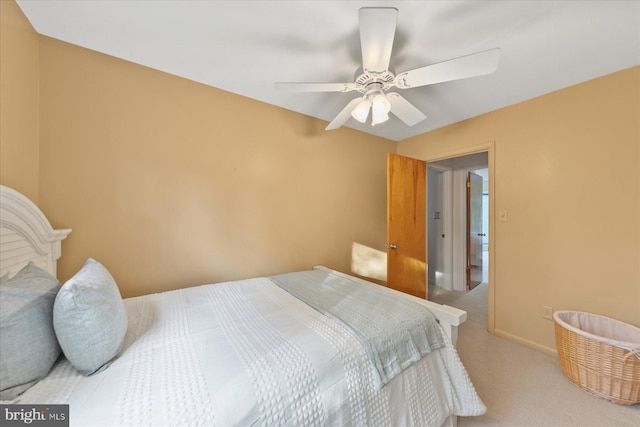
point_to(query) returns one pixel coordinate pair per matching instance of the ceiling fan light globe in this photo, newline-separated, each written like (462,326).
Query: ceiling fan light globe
(380,110)
(378,117)
(361,112)
(381,103)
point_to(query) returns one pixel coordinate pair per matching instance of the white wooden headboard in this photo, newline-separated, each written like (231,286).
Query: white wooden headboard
(26,235)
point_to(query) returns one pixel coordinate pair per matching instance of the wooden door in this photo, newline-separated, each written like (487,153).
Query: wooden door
(474,230)
(406,225)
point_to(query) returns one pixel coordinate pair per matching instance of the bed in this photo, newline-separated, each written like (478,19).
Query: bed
(241,353)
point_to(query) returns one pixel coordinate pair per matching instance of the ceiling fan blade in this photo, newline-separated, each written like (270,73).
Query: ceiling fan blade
(377,30)
(476,64)
(344,115)
(404,110)
(316,87)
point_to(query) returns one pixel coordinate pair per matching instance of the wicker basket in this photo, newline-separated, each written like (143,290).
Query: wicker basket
(600,355)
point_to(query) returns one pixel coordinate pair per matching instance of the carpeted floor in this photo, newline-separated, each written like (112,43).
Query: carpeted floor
(520,386)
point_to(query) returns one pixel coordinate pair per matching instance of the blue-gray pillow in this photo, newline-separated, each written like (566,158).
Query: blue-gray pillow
(28,344)
(90,319)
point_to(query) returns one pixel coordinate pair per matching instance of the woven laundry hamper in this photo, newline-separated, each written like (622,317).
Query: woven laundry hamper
(600,355)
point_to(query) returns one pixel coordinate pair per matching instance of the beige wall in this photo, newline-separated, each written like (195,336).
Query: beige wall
(567,171)
(171,183)
(18,101)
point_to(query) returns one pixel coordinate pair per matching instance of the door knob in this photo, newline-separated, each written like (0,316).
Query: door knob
(391,246)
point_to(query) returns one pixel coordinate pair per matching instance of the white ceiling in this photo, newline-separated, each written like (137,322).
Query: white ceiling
(245,47)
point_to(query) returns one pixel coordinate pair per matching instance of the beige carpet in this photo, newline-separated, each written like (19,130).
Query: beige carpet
(520,386)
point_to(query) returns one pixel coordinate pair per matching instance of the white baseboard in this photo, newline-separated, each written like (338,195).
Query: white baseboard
(526,343)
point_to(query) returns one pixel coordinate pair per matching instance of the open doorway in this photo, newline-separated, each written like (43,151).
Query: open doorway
(447,225)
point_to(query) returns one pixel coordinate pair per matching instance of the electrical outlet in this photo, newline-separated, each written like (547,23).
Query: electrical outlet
(547,312)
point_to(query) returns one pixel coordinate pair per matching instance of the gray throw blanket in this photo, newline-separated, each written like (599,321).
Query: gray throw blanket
(394,332)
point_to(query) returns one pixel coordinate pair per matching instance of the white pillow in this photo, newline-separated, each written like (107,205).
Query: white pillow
(90,319)
(28,345)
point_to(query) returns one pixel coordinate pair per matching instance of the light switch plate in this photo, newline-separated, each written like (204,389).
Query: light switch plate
(502,216)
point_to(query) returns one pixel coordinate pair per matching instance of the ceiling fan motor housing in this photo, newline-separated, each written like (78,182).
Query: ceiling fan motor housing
(382,81)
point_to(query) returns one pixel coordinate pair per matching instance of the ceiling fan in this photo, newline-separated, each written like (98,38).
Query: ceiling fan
(377,31)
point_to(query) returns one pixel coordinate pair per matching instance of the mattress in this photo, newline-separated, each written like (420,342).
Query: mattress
(249,353)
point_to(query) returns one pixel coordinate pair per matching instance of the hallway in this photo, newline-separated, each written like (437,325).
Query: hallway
(434,291)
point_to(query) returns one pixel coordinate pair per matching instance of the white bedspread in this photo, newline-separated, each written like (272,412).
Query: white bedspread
(248,353)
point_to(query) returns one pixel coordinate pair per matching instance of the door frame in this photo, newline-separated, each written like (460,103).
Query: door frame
(447,225)
(489,148)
